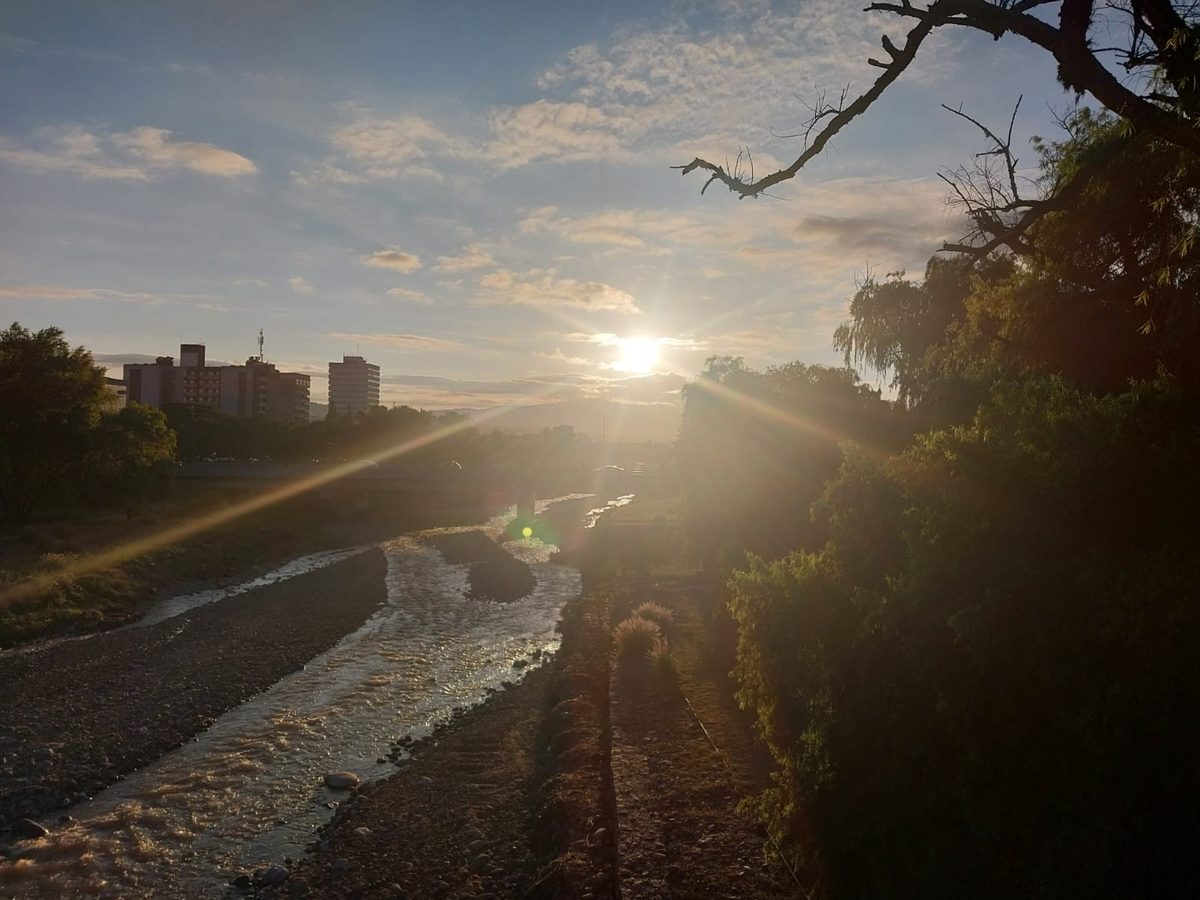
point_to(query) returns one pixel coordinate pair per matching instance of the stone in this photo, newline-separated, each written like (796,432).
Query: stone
(242,882)
(363,831)
(425,781)
(480,863)
(476,846)
(298,887)
(341,865)
(274,875)
(27,829)
(341,780)
(396,891)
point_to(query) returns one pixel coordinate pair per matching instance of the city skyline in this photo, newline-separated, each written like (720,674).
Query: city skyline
(482,203)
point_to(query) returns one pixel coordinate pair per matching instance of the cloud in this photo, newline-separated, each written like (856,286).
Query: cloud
(371,147)
(560,357)
(62,292)
(414,296)
(142,154)
(543,287)
(642,229)
(394,259)
(555,132)
(472,257)
(300,285)
(249,282)
(400,341)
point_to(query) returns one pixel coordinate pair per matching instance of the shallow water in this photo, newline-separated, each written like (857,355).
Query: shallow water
(249,791)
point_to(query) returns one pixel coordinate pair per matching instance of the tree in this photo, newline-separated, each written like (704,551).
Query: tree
(1160,56)
(53,400)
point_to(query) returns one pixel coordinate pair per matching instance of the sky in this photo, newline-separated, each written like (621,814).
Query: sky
(476,196)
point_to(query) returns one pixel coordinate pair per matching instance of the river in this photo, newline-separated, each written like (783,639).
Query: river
(249,790)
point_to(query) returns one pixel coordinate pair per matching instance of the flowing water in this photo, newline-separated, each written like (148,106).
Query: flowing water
(249,790)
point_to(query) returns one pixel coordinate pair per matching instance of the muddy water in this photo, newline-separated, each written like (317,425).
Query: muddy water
(249,790)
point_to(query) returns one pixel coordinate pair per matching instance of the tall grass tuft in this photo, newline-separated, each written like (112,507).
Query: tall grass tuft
(662,658)
(635,637)
(656,613)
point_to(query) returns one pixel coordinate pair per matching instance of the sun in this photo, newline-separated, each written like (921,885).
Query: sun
(637,354)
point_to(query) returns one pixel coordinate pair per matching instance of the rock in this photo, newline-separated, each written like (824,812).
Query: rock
(27,829)
(480,863)
(341,780)
(363,831)
(298,887)
(519,664)
(341,865)
(43,753)
(425,781)
(600,836)
(476,846)
(274,875)
(242,882)
(473,788)
(472,834)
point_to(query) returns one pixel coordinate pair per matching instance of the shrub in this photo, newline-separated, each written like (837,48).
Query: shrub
(635,637)
(656,613)
(993,643)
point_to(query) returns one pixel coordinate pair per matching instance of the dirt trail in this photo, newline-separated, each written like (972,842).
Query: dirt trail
(680,833)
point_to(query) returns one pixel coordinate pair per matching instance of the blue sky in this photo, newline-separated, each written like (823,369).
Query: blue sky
(475,195)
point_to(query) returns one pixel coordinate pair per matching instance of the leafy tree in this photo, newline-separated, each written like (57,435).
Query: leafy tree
(54,398)
(755,449)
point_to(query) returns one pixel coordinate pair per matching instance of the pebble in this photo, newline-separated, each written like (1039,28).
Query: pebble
(476,846)
(341,780)
(341,864)
(363,831)
(480,863)
(425,781)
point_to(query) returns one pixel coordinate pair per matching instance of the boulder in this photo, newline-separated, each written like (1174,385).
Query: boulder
(341,780)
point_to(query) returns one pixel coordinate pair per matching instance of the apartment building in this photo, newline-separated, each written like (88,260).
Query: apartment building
(353,385)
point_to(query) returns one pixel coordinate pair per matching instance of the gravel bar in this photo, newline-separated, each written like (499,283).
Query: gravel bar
(77,716)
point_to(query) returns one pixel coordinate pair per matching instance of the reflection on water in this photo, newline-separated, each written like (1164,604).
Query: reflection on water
(249,790)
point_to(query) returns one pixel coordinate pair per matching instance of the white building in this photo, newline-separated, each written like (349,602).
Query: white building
(353,385)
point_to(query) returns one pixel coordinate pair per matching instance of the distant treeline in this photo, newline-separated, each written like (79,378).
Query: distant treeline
(969,617)
(65,446)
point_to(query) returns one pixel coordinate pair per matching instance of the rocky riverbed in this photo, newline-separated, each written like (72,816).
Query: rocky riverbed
(80,715)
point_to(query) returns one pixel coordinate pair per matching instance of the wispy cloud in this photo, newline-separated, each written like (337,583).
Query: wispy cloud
(413,296)
(473,256)
(62,292)
(400,341)
(543,287)
(300,285)
(142,154)
(395,259)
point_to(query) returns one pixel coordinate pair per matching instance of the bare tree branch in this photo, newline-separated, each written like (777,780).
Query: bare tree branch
(1162,37)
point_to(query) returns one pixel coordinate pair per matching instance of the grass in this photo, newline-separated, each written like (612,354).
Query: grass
(662,659)
(656,613)
(635,637)
(112,596)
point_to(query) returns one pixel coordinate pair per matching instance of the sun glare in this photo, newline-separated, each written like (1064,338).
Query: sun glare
(637,354)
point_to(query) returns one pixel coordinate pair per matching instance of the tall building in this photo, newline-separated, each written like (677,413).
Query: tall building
(353,385)
(254,389)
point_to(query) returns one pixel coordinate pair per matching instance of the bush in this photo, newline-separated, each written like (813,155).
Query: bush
(975,688)
(635,637)
(656,613)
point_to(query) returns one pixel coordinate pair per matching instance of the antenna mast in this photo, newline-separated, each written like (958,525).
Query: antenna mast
(260,346)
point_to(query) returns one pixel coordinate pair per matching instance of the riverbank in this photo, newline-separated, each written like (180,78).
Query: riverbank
(590,779)
(78,716)
(117,594)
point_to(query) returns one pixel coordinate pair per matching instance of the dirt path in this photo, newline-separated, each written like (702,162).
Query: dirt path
(680,835)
